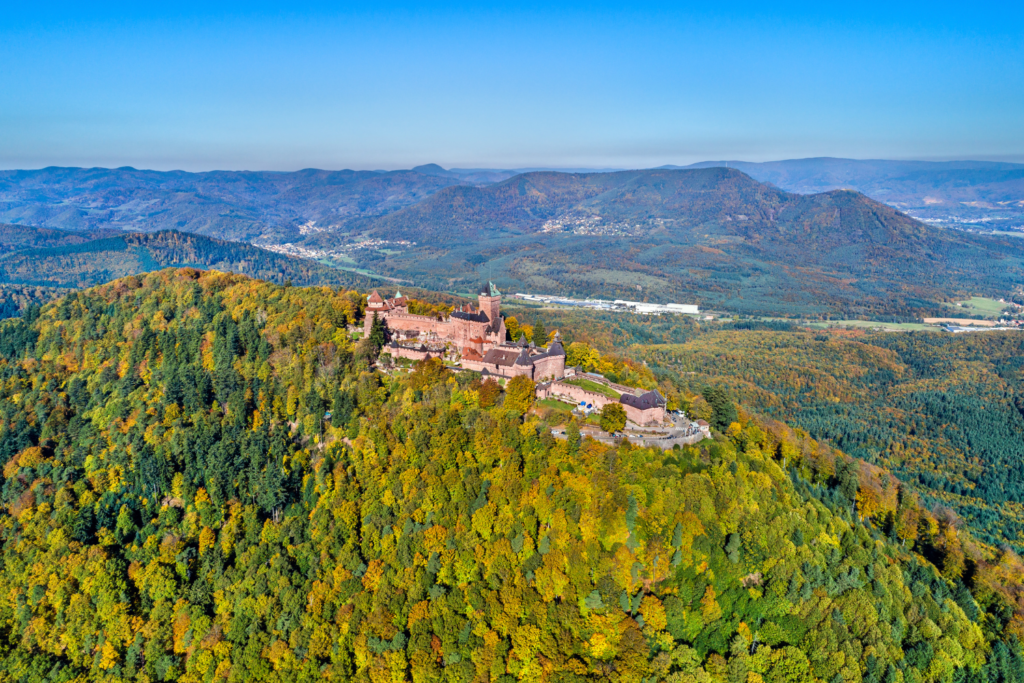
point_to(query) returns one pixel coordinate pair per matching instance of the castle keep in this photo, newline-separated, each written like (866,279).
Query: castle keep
(476,333)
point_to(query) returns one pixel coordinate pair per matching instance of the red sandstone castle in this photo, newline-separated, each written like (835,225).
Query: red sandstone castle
(477,334)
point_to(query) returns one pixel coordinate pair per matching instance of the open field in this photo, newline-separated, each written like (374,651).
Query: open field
(590,385)
(962,321)
(873,325)
(979,305)
(554,404)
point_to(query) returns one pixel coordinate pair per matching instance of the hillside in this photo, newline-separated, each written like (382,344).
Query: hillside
(713,235)
(983,193)
(177,506)
(522,204)
(82,262)
(943,412)
(20,237)
(224,204)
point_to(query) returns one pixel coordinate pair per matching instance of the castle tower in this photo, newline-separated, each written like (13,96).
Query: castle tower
(489,299)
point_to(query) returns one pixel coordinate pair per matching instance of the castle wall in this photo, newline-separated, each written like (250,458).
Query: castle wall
(412,354)
(577,394)
(497,370)
(644,417)
(551,367)
(407,321)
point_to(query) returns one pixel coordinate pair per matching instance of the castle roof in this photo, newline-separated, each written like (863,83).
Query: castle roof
(488,289)
(469,353)
(477,317)
(651,399)
(504,357)
(555,348)
(374,298)
(524,358)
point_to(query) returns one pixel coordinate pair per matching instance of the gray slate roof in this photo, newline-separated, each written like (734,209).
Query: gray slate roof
(652,399)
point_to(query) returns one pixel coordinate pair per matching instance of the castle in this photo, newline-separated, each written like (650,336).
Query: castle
(476,334)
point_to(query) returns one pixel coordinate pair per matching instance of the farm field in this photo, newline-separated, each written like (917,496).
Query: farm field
(979,305)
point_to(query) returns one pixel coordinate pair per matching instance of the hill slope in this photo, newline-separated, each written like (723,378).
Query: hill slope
(177,507)
(984,193)
(712,234)
(231,205)
(82,262)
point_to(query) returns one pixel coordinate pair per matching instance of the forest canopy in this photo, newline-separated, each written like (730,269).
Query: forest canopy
(204,481)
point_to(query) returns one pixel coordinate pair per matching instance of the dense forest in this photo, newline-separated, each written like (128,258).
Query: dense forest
(204,479)
(16,299)
(78,262)
(945,413)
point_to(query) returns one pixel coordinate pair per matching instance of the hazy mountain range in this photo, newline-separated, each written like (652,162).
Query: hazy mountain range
(714,236)
(979,193)
(287,207)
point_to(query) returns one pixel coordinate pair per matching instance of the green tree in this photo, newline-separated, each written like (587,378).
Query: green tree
(379,333)
(723,410)
(540,335)
(572,436)
(613,417)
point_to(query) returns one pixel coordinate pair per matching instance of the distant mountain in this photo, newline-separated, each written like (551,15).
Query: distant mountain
(16,237)
(984,193)
(634,202)
(322,207)
(95,261)
(713,235)
(225,204)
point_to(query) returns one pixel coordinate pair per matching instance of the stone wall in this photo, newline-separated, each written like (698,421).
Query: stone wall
(412,353)
(552,367)
(644,417)
(408,321)
(599,401)
(577,394)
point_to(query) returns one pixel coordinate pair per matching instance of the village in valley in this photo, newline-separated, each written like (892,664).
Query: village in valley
(475,339)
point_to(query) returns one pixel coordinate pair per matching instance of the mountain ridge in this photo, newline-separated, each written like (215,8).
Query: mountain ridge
(99,257)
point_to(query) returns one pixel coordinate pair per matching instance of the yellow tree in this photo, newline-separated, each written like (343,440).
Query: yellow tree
(520,394)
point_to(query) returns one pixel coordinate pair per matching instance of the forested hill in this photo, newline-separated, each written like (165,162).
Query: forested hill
(83,263)
(714,236)
(670,202)
(178,506)
(982,192)
(242,205)
(522,204)
(17,237)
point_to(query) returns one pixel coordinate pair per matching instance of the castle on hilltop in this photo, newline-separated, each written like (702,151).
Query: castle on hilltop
(476,334)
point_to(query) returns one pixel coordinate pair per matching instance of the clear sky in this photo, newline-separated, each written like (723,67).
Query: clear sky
(505,85)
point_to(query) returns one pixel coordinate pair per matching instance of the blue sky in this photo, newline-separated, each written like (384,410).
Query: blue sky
(255,86)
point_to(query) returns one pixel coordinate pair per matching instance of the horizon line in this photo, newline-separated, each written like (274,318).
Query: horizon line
(1010,159)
